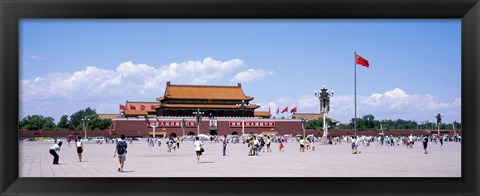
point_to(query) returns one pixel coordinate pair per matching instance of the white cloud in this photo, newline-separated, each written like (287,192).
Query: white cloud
(251,74)
(94,87)
(392,104)
(64,93)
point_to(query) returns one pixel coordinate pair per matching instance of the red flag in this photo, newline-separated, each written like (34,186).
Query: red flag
(294,110)
(361,61)
(132,107)
(278,109)
(152,107)
(122,107)
(285,110)
(143,107)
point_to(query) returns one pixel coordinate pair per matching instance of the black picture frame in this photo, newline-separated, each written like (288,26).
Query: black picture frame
(13,10)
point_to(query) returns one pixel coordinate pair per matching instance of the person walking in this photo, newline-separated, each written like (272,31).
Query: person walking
(53,151)
(178,142)
(302,144)
(441,140)
(198,148)
(121,149)
(354,141)
(281,146)
(251,147)
(269,141)
(79,145)
(357,142)
(261,140)
(256,145)
(225,141)
(312,144)
(425,142)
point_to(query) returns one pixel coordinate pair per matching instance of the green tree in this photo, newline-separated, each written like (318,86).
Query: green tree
(76,118)
(37,122)
(63,123)
(96,123)
(317,124)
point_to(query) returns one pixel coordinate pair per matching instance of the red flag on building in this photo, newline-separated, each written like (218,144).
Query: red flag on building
(361,61)
(278,109)
(294,110)
(285,110)
(143,107)
(122,107)
(132,107)
(152,107)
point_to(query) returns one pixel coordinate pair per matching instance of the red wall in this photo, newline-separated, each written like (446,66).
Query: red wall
(135,126)
(138,128)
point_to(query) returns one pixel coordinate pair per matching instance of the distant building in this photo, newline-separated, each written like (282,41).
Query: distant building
(262,114)
(214,101)
(108,116)
(140,109)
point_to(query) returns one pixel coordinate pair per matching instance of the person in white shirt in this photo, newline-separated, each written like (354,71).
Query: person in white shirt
(268,144)
(79,145)
(53,151)
(256,145)
(198,148)
(354,141)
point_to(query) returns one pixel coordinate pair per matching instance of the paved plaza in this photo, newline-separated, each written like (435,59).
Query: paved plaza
(326,161)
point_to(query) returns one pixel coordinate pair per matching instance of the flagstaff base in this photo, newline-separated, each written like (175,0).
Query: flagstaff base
(324,140)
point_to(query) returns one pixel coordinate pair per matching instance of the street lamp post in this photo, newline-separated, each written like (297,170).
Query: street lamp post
(198,117)
(304,126)
(242,107)
(85,125)
(381,127)
(324,98)
(152,124)
(438,120)
(184,124)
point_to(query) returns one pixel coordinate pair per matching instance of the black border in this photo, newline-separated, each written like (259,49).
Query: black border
(12,10)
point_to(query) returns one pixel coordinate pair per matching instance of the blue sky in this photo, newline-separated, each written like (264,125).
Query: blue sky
(67,65)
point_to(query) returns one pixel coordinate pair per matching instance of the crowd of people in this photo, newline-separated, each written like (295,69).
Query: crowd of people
(257,144)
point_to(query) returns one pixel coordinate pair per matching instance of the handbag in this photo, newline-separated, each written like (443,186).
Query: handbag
(202,150)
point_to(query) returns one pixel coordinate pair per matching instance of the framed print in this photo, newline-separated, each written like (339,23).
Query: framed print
(157,79)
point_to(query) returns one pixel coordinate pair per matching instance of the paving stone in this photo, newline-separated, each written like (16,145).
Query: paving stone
(326,161)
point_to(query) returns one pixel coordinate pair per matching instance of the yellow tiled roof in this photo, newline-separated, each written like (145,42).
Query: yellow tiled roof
(137,112)
(204,92)
(262,113)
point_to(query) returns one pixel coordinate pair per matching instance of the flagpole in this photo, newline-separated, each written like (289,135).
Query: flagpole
(355,89)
